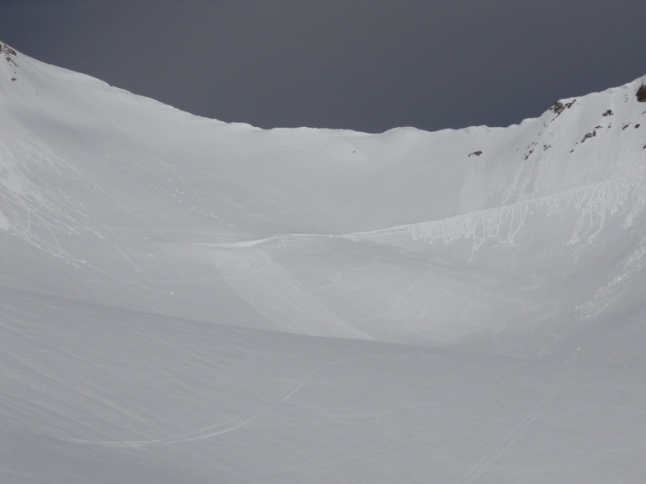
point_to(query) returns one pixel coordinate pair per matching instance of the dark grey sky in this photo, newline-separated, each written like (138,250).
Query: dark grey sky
(368,65)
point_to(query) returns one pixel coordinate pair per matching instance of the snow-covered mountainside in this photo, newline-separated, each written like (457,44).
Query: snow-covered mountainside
(165,280)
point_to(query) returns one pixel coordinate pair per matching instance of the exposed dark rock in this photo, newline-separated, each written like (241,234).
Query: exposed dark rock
(641,93)
(559,107)
(8,53)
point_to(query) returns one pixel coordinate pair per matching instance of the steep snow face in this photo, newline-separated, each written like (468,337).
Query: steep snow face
(401,236)
(164,279)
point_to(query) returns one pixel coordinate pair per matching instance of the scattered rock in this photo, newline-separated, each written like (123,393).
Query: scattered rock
(589,136)
(608,113)
(475,153)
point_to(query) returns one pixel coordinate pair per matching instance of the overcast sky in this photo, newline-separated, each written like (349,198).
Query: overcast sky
(368,65)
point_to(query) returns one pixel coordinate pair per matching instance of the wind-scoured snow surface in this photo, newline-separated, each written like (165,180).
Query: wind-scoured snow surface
(184,300)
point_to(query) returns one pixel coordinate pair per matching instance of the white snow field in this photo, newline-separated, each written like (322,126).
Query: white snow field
(185,300)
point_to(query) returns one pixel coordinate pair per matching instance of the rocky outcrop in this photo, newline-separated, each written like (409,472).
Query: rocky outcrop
(8,53)
(641,94)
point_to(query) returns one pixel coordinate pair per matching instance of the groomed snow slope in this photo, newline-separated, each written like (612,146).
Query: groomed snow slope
(165,281)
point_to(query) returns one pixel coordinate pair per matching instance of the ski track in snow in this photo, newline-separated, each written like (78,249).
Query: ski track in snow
(233,423)
(517,433)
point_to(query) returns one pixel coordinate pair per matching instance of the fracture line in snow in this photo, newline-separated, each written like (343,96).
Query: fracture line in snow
(593,203)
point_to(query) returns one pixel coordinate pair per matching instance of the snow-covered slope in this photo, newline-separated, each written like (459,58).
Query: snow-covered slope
(165,279)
